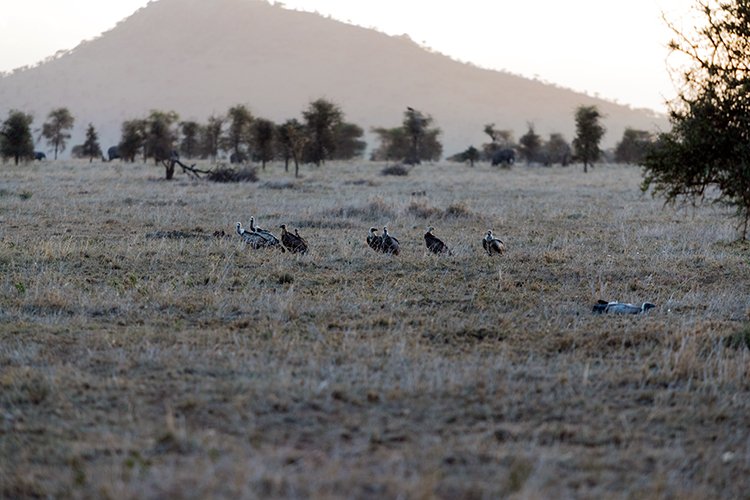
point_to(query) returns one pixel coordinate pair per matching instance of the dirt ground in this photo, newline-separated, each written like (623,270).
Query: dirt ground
(146,354)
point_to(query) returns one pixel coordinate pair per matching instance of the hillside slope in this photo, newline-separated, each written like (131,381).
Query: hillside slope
(199,58)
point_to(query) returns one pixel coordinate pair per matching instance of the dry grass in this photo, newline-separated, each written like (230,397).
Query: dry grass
(141,355)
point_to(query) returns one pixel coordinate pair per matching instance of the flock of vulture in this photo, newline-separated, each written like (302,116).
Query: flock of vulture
(257,237)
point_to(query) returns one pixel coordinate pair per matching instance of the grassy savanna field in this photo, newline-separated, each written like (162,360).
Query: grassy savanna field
(141,356)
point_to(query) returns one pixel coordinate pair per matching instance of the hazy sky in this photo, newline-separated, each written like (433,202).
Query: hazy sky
(614,49)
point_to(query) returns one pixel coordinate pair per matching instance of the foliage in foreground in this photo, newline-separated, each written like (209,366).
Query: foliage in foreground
(709,144)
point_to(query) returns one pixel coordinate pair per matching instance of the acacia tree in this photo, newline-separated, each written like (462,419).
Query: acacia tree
(423,140)
(322,118)
(91,147)
(160,135)
(556,150)
(284,142)
(530,145)
(499,139)
(133,139)
(349,143)
(471,155)
(709,144)
(190,131)
(633,146)
(15,137)
(589,133)
(263,131)
(211,137)
(57,129)
(394,145)
(239,133)
(293,137)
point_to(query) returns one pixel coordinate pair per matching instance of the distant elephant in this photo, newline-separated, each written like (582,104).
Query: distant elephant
(504,156)
(38,155)
(113,153)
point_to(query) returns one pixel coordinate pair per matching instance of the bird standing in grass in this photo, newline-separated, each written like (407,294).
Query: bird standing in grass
(390,244)
(251,238)
(374,240)
(296,233)
(293,242)
(271,239)
(435,244)
(492,245)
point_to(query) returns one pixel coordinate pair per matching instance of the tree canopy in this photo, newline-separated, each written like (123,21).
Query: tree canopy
(211,137)
(292,138)
(160,134)
(423,140)
(15,137)
(412,142)
(709,143)
(263,134)
(190,132)
(589,133)
(634,146)
(91,148)
(322,118)
(239,134)
(530,145)
(57,129)
(133,139)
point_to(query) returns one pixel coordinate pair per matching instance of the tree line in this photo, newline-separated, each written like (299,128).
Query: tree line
(322,134)
(556,150)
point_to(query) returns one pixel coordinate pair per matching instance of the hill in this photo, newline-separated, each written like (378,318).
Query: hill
(199,58)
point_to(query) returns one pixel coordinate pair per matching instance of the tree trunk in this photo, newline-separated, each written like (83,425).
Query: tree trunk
(169,165)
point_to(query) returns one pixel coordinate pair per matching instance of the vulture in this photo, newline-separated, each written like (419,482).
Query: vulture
(375,240)
(296,233)
(271,240)
(390,244)
(602,306)
(435,244)
(293,242)
(492,245)
(251,238)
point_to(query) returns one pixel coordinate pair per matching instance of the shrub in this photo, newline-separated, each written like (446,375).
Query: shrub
(223,173)
(738,340)
(457,210)
(397,169)
(423,210)
(377,208)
